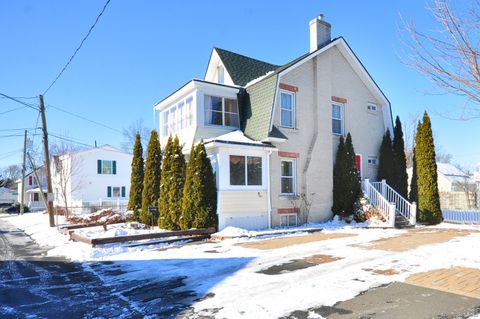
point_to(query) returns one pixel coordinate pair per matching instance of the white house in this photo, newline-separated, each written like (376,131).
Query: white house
(272,131)
(96,177)
(7,195)
(33,197)
(476,175)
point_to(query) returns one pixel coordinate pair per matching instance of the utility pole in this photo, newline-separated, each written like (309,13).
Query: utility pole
(22,195)
(47,165)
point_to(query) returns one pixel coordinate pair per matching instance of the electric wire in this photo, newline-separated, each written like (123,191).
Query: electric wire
(78,48)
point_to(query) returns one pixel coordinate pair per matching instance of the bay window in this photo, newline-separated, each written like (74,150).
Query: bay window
(177,117)
(221,111)
(245,170)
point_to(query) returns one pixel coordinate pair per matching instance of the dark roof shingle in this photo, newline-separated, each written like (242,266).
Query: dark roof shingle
(243,69)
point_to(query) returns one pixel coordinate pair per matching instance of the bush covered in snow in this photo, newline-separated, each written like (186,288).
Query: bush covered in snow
(364,211)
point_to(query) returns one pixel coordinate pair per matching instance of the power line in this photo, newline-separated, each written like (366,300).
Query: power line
(18,101)
(21,97)
(70,140)
(85,119)
(12,110)
(78,48)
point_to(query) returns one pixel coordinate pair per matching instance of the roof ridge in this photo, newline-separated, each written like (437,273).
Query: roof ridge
(246,56)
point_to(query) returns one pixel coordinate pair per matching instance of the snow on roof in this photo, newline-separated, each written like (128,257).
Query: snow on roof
(452,173)
(235,137)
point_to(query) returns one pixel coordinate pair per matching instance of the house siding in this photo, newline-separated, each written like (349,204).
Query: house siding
(243,209)
(334,77)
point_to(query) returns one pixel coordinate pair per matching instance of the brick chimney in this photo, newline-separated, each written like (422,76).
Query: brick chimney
(320,32)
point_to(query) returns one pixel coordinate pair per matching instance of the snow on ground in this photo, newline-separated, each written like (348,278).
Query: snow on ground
(230,272)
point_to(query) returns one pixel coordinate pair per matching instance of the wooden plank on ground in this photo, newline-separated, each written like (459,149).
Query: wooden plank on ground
(76,226)
(83,239)
(120,239)
(189,239)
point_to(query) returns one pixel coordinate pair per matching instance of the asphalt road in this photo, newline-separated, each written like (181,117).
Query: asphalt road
(33,285)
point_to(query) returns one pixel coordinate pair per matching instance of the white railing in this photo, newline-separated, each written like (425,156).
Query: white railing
(386,208)
(402,206)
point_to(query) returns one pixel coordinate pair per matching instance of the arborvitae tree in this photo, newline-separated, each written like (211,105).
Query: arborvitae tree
(163,201)
(172,187)
(136,179)
(339,179)
(385,165)
(413,195)
(205,187)
(188,200)
(151,182)
(353,179)
(400,181)
(346,179)
(428,197)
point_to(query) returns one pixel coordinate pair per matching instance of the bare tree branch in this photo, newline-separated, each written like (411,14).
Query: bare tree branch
(450,56)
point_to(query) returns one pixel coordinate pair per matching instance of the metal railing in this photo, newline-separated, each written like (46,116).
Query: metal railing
(386,208)
(402,206)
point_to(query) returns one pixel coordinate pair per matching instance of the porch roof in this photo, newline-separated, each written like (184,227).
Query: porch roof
(237,138)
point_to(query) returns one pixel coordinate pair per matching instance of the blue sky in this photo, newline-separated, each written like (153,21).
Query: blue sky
(143,50)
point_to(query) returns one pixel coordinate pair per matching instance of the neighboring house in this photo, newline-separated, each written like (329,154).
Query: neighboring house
(33,197)
(92,178)
(272,130)
(476,175)
(7,195)
(452,179)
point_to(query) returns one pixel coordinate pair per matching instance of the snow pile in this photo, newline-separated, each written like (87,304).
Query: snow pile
(103,216)
(116,230)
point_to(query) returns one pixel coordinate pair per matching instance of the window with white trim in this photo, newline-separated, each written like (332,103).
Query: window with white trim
(221,111)
(337,119)
(288,220)
(288,177)
(372,107)
(373,160)
(287,109)
(245,170)
(220,74)
(177,117)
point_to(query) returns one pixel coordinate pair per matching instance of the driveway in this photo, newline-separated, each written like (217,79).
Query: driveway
(33,285)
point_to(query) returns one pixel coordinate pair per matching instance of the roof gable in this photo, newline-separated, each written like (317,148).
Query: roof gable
(243,69)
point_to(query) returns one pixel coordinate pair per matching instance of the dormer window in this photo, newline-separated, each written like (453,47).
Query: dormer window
(220,74)
(221,111)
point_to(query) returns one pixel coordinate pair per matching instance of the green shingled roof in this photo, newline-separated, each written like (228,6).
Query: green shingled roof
(258,108)
(243,69)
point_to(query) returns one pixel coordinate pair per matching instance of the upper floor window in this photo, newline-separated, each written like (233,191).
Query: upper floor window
(221,111)
(245,170)
(30,180)
(372,107)
(287,109)
(106,167)
(221,74)
(177,117)
(337,119)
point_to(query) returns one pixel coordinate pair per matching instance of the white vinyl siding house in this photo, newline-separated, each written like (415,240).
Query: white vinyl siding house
(96,177)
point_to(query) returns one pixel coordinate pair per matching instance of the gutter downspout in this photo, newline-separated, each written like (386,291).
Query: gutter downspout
(269,204)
